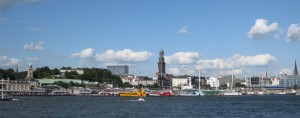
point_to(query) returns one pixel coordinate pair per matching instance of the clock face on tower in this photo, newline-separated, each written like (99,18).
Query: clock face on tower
(161,62)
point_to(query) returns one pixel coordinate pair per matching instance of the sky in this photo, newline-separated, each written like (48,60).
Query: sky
(212,37)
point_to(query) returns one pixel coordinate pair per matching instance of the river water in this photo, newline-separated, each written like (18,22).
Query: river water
(123,107)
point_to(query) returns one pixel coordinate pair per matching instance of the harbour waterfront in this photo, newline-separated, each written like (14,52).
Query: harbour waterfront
(207,106)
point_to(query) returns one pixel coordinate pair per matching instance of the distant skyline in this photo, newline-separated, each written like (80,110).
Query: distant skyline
(234,37)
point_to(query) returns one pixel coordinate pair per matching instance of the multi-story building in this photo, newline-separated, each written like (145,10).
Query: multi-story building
(254,81)
(228,79)
(213,82)
(63,71)
(290,80)
(120,70)
(182,83)
(27,84)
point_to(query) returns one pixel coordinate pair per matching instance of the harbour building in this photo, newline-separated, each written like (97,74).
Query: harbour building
(290,80)
(27,84)
(120,70)
(257,81)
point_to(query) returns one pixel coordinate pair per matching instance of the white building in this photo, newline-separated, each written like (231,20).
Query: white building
(213,82)
(182,83)
(62,71)
(275,81)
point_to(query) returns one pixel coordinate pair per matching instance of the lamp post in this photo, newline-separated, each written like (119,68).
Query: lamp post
(199,74)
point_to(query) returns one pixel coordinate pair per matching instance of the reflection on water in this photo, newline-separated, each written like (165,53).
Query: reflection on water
(207,106)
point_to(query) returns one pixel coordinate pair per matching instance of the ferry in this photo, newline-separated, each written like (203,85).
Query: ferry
(138,93)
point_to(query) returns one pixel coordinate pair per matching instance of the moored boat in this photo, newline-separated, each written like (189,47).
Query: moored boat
(138,93)
(191,93)
(232,92)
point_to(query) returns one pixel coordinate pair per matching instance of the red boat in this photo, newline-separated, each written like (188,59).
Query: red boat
(162,93)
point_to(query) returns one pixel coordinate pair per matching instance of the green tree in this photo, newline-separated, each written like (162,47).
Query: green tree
(71,84)
(43,72)
(71,75)
(206,86)
(66,68)
(238,84)
(140,86)
(101,76)
(146,78)
(7,74)
(127,85)
(62,84)
(55,71)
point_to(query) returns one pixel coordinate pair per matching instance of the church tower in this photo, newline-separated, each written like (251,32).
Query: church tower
(295,69)
(161,68)
(161,62)
(29,76)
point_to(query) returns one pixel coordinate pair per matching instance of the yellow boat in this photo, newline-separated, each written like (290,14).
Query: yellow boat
(138,93)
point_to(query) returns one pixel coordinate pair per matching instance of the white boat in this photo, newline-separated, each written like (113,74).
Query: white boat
(141,99)
(154,94)
(6,97)
(250,93)
(192,93)
(232,92)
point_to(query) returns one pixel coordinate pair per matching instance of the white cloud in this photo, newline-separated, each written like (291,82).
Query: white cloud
(231,72)
(123,56)
(174,71)
(8,62)
(35,29)
(86,53)
(182,58)
(237,61)
(14,61)
(183,30)
(293,33)
(31,46)
(3,57)
(285,71)
(7,4)
(190,63)
(261,30)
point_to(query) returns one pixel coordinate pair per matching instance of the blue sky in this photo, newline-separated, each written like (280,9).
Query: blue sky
(239,37)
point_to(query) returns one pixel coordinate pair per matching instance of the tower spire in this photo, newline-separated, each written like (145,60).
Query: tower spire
(295,69)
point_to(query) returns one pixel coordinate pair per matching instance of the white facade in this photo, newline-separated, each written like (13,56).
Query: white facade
(182,83)
(213,82)
(176,82)
(275,81)
(80,72)
(143,82)
(128,79)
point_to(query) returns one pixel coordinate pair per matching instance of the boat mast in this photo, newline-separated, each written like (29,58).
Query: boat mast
(2,96)
(199,80)
(199,74)
(231,81)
